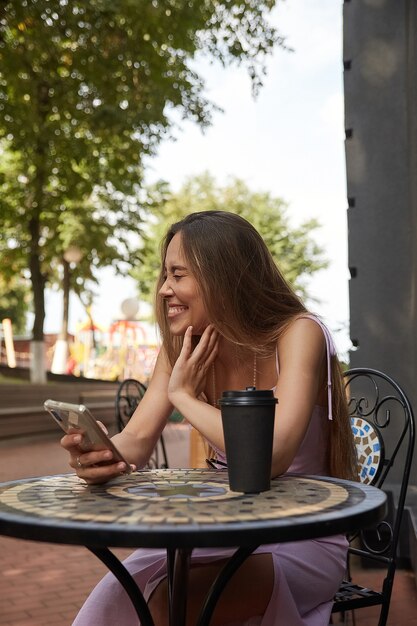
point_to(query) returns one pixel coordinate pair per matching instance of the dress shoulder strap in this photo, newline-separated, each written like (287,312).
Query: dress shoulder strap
(330,351)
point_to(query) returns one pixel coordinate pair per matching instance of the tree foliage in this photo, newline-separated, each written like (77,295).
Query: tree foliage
(294,249)
(87,88)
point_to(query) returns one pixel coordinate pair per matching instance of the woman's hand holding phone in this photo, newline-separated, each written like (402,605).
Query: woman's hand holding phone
(94,466)
(93,455)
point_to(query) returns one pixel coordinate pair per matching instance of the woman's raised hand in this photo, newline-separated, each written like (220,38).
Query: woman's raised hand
(190,371)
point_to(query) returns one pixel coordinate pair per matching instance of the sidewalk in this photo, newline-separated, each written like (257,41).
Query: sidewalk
(45,584)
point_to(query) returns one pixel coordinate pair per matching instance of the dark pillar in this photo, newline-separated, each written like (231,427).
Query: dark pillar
(380,80)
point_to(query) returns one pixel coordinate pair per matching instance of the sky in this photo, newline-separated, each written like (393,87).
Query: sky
(288,141)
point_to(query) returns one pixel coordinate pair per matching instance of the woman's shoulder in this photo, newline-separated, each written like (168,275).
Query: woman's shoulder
(306,323)
(303,333)
(310,328)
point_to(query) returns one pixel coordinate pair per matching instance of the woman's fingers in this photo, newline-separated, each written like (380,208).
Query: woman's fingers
(213,342)
(87,459)
(97,468)
(94,474)
(187,342)
(71,442)
(191,367)
(93,466)
(206,349)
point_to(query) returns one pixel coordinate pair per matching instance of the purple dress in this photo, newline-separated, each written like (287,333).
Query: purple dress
(307,574)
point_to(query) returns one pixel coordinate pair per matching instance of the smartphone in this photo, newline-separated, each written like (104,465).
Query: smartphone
(72,417)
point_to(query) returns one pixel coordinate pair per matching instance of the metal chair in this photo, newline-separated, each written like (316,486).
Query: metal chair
(129,394)
(384,430)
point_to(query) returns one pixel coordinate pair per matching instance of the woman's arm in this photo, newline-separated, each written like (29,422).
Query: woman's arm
(137,440)
(301,353)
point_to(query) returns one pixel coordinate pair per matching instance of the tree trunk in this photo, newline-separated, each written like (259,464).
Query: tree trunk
(61,351)
(66,295)
(38,282)
(38,364)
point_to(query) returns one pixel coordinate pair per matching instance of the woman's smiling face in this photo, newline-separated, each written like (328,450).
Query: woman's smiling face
(180,291)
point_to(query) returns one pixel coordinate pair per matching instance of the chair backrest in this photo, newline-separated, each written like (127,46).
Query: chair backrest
(370,449)
(129,394)
(384,429)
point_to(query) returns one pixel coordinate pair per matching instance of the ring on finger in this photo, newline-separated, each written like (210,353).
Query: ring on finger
(78,462)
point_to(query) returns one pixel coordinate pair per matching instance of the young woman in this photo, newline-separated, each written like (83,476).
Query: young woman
(228,320)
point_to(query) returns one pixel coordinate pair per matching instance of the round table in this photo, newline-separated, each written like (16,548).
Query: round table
(180,510)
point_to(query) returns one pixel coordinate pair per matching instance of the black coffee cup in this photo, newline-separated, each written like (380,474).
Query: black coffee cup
(248,424)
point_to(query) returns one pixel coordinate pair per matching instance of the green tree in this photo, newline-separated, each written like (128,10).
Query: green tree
(87,89)
(293,248)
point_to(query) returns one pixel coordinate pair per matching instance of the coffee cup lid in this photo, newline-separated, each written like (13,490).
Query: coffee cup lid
(250,395)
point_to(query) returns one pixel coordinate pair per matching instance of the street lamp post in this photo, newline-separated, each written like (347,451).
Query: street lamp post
(72,255)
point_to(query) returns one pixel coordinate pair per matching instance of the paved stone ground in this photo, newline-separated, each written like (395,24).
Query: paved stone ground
(45,584)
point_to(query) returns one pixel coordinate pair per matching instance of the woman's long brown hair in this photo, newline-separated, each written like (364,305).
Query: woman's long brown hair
(248,301)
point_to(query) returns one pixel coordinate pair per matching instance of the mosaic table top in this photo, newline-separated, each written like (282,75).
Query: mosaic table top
(184,508)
